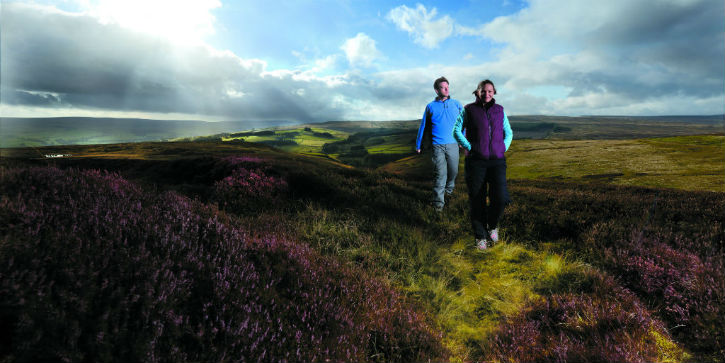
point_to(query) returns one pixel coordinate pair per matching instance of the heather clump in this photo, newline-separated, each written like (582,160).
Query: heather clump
(688,292)
(94,268)
(607,325)
(249,190)
(666,246)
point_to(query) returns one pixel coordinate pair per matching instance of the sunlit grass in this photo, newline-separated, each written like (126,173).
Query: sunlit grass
(471,290)
(307,140)
(683,162)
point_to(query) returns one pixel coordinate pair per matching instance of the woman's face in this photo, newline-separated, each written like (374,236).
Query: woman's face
(486,94)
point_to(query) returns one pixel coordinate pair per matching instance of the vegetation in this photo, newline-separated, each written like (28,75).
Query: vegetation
(96,269)
(683,162)
(325,261)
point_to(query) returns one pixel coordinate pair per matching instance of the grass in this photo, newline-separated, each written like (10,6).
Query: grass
(683,162)
(307,140)
(474,292)
(376,220)
(471,294)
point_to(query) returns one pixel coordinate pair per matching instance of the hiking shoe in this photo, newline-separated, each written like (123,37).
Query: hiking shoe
(481,244)
(494,235)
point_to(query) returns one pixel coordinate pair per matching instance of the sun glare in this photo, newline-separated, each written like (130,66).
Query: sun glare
(182,21)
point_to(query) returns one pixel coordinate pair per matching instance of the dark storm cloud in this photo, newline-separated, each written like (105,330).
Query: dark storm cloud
(615,56)
(57,59)
(685,39)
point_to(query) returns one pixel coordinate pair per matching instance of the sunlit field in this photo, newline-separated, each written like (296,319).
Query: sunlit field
(684,162)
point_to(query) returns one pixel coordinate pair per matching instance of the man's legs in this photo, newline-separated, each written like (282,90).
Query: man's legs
(439,175)
(452,163)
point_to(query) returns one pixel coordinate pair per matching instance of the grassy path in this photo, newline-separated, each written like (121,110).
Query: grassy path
(473,293)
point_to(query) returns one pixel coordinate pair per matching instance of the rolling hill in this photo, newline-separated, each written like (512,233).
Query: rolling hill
(214,250)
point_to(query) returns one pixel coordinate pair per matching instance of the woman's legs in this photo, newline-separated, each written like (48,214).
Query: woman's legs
(497,193)
(476,182)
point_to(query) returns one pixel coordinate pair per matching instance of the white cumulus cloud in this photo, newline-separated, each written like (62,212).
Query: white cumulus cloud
(422,25)
(361,50)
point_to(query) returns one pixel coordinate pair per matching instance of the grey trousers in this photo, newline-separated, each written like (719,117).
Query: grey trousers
(445,170)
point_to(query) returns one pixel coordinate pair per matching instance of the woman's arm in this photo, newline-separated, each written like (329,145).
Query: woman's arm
(508,133)
(458,133)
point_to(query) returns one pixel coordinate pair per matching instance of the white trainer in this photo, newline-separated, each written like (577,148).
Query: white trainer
(481,244)
(494,235)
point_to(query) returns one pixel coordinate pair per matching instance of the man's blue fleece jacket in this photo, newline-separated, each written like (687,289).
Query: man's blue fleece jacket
(439,117)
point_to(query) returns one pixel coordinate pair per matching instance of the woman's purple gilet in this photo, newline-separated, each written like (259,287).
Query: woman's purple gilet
(484,130)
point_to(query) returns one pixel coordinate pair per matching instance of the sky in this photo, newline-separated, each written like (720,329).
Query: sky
(320,60)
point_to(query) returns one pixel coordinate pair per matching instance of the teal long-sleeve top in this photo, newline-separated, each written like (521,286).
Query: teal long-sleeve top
(508,133)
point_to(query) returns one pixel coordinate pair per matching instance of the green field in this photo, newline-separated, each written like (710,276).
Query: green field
(302,140)
(682,162)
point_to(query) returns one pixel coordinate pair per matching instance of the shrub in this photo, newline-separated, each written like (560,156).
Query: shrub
(688,292)
(93,268)
(607,325)
(667,246)
(249,190)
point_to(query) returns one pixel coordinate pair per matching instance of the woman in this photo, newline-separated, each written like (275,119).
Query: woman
(484,130)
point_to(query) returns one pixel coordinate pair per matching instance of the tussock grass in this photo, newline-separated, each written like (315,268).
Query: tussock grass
(473,291)
(682,162)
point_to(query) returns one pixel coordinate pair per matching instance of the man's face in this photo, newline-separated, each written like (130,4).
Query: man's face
(442,90)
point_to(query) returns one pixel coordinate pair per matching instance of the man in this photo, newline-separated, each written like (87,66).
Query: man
(437,124)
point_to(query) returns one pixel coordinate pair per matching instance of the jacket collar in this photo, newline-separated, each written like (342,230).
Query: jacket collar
(488,104)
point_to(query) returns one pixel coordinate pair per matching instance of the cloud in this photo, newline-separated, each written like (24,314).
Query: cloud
(607,52)
(420,24)
(64,60)
(553,57)
(184,21)
(361,50)
(599,52)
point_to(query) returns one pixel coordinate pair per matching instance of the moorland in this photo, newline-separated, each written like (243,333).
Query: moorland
(315,242)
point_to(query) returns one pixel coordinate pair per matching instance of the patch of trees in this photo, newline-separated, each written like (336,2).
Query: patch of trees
(279,142)
(253,133)
(324,135)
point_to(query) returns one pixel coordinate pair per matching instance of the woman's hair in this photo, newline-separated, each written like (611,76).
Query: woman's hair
(483,84)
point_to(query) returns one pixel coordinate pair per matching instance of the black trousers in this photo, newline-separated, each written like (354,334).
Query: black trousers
(486,178)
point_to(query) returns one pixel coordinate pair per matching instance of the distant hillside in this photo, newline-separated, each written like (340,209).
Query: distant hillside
(25,132)
(19,132)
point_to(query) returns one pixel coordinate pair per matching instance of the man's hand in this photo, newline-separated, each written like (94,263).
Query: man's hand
(417,150)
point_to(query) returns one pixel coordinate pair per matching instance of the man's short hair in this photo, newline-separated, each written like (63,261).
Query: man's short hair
(438,81)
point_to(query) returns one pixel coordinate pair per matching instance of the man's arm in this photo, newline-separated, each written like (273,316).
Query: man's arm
(508,133)
(421,130)
(458,133)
